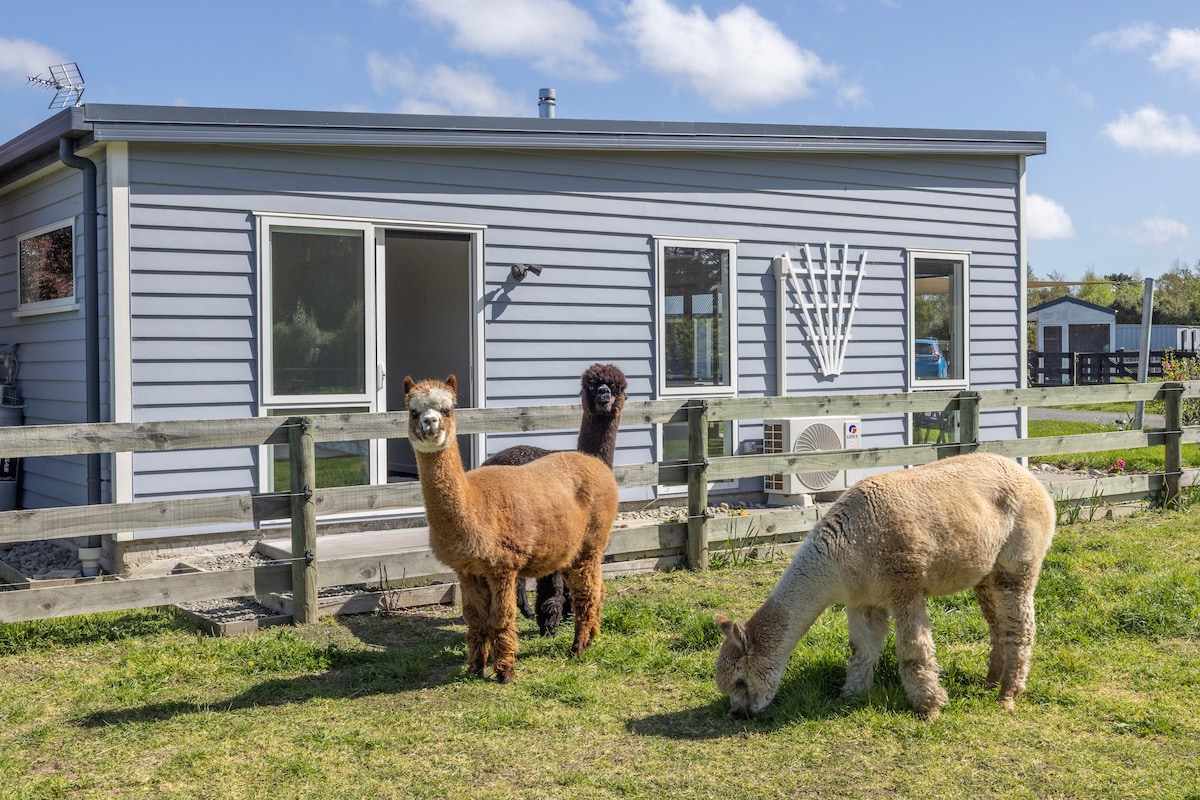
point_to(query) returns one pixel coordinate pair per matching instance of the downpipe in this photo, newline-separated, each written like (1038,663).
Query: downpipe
(91,311)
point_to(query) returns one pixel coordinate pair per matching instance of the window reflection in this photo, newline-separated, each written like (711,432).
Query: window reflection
(939,313)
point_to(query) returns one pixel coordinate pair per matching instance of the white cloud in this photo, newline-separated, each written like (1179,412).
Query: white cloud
(554,35)
(737,60)
(1180,51)
(1131,37)
(1157,232)
(1150,130)
(443,90)
(20,59)
(1046,219)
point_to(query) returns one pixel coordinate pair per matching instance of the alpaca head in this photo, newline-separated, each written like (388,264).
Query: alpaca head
(430,413)
(603,389)
(749,680)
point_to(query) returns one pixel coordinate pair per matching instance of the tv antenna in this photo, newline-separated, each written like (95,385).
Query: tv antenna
(66,80)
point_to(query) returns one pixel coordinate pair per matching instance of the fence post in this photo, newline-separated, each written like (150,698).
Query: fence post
(697,528)
(1172,439)
(968,422)
(303,464)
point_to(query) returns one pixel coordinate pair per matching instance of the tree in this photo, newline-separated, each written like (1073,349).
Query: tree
(1035,296)
(1177,296)
(1127,297)
(1096,290)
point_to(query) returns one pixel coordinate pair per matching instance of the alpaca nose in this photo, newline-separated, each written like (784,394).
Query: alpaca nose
(604,395)
(431,421)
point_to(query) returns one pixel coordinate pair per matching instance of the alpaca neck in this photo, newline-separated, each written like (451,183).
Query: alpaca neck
(443,483)
(808,587)
(598,436)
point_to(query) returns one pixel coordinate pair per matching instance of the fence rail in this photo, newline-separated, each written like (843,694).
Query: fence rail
(635,547)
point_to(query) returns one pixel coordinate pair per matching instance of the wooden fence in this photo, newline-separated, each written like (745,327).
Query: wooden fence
(636,547)
(1088,369)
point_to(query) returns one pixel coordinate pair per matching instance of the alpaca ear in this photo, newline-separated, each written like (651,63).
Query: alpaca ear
(452,382)
(409,383)
(733,631)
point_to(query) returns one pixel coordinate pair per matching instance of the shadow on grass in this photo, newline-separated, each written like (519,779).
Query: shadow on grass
(416,652)
(809,692)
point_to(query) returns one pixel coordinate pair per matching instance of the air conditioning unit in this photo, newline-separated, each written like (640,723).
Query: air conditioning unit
(803,435)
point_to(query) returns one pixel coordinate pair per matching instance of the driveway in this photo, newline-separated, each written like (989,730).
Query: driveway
(1102,417)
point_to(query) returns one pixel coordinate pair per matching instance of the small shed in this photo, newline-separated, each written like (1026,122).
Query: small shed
(201,263)
(1070,325)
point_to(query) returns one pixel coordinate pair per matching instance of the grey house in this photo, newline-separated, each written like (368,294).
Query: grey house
(255,262)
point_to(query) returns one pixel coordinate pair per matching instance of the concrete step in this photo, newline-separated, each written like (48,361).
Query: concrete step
(353,545)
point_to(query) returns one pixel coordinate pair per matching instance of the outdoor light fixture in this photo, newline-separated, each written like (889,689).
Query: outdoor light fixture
(519,271)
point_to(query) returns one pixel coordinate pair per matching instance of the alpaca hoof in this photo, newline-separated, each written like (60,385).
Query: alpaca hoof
(1008,703)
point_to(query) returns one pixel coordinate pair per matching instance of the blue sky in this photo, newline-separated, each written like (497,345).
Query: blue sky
(1115,88)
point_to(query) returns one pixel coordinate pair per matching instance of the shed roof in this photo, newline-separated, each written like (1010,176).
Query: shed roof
(1066,299)
(101,122)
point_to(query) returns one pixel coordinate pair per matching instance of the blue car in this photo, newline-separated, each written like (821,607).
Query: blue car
(931,363)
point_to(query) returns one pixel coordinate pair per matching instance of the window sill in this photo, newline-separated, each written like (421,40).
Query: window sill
(47,307)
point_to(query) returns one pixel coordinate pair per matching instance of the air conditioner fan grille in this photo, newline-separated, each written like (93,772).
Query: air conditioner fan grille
(817,436)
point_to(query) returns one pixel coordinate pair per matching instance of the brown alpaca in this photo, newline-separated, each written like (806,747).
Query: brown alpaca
(602,393)
(890,541)
(495,524)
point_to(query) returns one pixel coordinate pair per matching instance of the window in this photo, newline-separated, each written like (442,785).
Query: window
(317,312)
(47,268)
(938,343)
(338,463)
(315,315)
(697,317)
(697,335)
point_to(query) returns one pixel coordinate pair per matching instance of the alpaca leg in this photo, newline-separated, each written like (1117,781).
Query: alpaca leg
(502,627)
(1015,618)
(586,582)
(476,603)
(919,669)
(523,599)
(985,595)
(550,603)
(868,631)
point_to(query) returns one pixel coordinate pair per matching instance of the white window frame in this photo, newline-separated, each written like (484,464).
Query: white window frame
(728,389)
(272,403)
(58,304)
(697,390)
(960,323)
(369,394)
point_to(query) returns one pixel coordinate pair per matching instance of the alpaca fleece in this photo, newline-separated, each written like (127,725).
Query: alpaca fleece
(602,393)
(975,521)
(495,524)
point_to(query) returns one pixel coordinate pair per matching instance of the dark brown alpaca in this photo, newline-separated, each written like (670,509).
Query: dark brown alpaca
(497,523)
(602,392)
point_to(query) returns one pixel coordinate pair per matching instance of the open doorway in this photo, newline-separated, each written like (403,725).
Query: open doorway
(428,322)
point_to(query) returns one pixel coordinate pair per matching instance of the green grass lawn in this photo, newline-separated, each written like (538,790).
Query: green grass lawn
(139,705)
(1144,459)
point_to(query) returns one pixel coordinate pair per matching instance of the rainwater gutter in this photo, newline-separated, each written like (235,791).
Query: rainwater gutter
(91,307)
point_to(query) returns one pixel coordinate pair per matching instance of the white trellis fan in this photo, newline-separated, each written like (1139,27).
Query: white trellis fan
(827,308)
